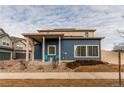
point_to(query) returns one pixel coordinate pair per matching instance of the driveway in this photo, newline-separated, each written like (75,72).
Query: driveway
(61,75)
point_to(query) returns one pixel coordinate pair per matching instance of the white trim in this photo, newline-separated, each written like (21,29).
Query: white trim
(6,51)
(75,49)
(11,56)
(43,49)
(59,48)
(20,52)
(32,53)
(86,52)
(51,46)
(27,49)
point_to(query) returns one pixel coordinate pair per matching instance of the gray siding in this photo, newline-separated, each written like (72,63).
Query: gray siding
(5,54)
(38,51)
(7,40)
(38,48)
(68,47)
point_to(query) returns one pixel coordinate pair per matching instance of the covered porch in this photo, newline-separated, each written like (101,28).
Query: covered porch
(50,43)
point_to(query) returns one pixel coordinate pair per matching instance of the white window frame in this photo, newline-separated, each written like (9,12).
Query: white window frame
(98,51)
(75,46)
(86,52)
(51,46)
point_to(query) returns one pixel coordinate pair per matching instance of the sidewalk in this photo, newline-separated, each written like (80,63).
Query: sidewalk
(62,75)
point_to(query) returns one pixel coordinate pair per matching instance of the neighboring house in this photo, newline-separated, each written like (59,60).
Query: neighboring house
(5,46)
(64,45)
(19,46)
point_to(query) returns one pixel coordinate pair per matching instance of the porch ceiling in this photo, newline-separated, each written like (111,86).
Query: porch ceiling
(39,37)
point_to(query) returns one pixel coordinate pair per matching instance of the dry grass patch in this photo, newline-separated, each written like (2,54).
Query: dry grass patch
(77,66)
(99,68)
(22,66)
(59,83)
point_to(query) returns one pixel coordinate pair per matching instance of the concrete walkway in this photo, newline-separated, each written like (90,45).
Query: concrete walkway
(62,75)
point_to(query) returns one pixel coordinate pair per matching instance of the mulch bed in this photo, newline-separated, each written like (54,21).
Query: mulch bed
(78,63)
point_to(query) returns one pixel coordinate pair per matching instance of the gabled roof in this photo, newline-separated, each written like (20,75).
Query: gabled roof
(16,39)
(2,31)
(3,34)
(66,30)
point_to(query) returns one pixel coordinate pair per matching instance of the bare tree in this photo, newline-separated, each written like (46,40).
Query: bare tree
(119,48)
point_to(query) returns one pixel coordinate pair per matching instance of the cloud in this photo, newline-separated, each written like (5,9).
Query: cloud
(106,19)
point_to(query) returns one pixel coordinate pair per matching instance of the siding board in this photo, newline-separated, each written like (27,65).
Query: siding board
(67,48)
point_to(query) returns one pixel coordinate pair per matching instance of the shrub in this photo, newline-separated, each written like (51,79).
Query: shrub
(23,64)
(2,65)
(40,67)
(22,67)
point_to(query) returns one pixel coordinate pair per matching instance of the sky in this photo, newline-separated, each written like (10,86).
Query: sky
(107,20)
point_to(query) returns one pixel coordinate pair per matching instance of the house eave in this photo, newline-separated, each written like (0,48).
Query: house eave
(88,38)
(8,48)
(66,30)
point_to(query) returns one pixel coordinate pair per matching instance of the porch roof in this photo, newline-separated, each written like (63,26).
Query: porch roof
(39,36)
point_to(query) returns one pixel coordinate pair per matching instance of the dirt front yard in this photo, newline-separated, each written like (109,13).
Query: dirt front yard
(16,66)
(99,68)
(59,83)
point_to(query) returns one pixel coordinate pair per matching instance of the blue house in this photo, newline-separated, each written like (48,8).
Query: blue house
(63,45)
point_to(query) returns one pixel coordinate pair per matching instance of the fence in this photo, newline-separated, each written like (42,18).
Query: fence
(111,57)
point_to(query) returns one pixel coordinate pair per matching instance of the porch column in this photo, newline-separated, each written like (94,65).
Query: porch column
(11,57)
(27,49)
(59,48)
(32,53)
(43,49)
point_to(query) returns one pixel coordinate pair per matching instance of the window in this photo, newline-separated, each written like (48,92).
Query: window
(95,50)
(86,51)
(51,49)
(80,51)
(4,43)
(92,50)
(7,44)
(19,46)
(85,34)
